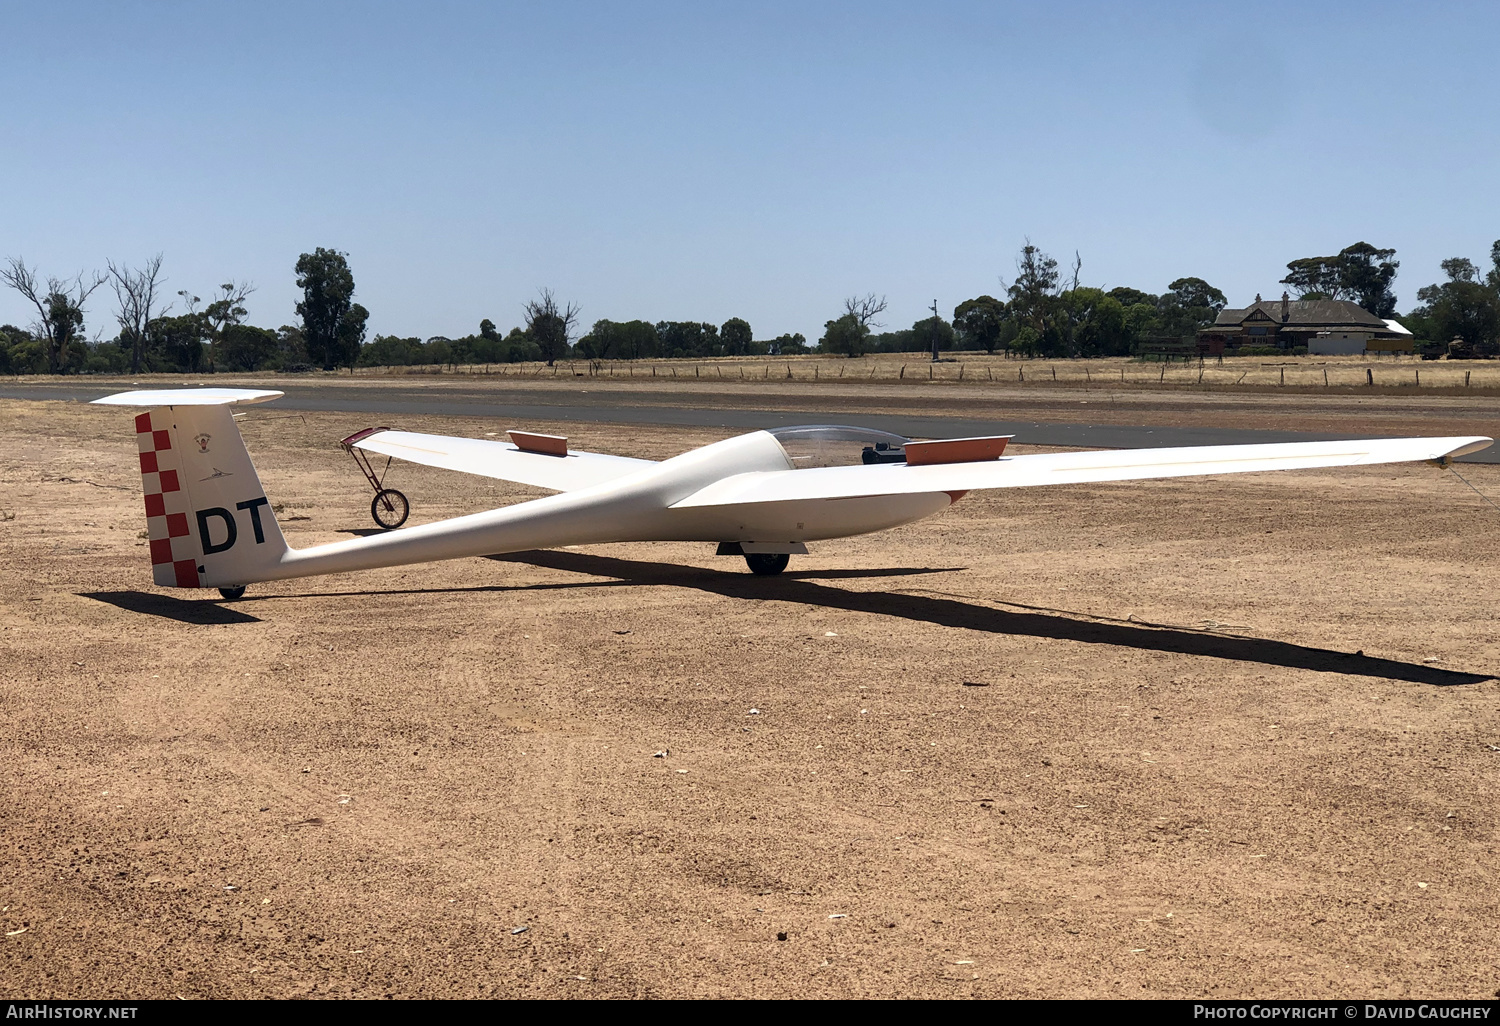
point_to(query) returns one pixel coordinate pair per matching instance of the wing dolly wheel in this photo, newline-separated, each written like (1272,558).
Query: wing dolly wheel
(390,509)
(233,594)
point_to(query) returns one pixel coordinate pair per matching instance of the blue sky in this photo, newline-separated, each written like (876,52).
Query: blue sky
(695,161)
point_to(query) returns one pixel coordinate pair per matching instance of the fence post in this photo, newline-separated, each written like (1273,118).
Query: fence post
(1369,377)
(1283,375)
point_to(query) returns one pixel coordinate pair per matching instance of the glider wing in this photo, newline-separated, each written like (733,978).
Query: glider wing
(1070,468)
(503,460)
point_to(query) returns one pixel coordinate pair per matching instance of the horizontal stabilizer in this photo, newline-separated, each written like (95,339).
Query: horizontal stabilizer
(189,397)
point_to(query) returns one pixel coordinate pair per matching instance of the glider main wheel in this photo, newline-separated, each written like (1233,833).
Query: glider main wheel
(390,508)
(767,564)
(233,594)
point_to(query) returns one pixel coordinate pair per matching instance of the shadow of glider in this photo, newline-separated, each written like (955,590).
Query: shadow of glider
(193,611)
(943,612)
(947,612)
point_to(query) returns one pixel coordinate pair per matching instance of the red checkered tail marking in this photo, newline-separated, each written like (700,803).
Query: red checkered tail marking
(208,520)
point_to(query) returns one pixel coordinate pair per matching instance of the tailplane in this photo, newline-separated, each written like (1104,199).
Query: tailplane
(209,522)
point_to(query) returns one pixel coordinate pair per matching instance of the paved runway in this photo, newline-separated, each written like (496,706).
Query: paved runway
(607,408)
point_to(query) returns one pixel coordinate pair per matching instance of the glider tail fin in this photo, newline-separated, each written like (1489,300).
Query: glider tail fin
(208,520)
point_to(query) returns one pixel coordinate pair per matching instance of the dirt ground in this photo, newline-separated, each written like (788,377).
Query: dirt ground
(1221,737)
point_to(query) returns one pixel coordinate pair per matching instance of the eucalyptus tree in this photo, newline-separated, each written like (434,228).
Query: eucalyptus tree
(59,306)
(333,325)
(136,293)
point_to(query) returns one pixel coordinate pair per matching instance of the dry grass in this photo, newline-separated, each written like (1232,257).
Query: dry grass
(1298,373)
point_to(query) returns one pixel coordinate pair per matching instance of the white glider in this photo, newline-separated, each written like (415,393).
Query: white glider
(210,524)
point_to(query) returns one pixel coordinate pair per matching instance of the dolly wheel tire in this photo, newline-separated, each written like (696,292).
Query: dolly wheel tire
(233,594)
(390,508)
(767,564)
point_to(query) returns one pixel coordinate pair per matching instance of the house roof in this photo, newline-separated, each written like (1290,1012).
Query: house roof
(1305,315)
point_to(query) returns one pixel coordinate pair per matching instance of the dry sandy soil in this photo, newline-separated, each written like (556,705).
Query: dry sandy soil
(1219,737)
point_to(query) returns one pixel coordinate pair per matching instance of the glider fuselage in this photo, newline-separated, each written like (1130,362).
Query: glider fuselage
(634,508)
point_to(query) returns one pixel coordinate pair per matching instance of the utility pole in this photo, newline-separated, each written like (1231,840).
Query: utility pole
(934,332)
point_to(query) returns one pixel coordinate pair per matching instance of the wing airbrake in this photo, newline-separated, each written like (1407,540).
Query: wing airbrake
(1070,468)
(503,460)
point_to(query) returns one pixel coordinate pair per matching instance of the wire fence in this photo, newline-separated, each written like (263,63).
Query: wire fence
(1302,373)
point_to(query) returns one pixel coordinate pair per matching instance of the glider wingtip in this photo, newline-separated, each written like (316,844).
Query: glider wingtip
(1469,445)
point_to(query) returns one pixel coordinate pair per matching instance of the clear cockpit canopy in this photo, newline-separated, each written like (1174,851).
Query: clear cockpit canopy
(837,445)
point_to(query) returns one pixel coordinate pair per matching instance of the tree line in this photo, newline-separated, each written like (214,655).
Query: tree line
(204,337)
(1044,310)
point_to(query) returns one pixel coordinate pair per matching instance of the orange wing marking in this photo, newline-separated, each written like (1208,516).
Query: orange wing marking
(547,445)
(955,450)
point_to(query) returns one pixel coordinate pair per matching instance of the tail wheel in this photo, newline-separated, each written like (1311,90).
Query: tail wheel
(767,564)
(390,508)
(233,594)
